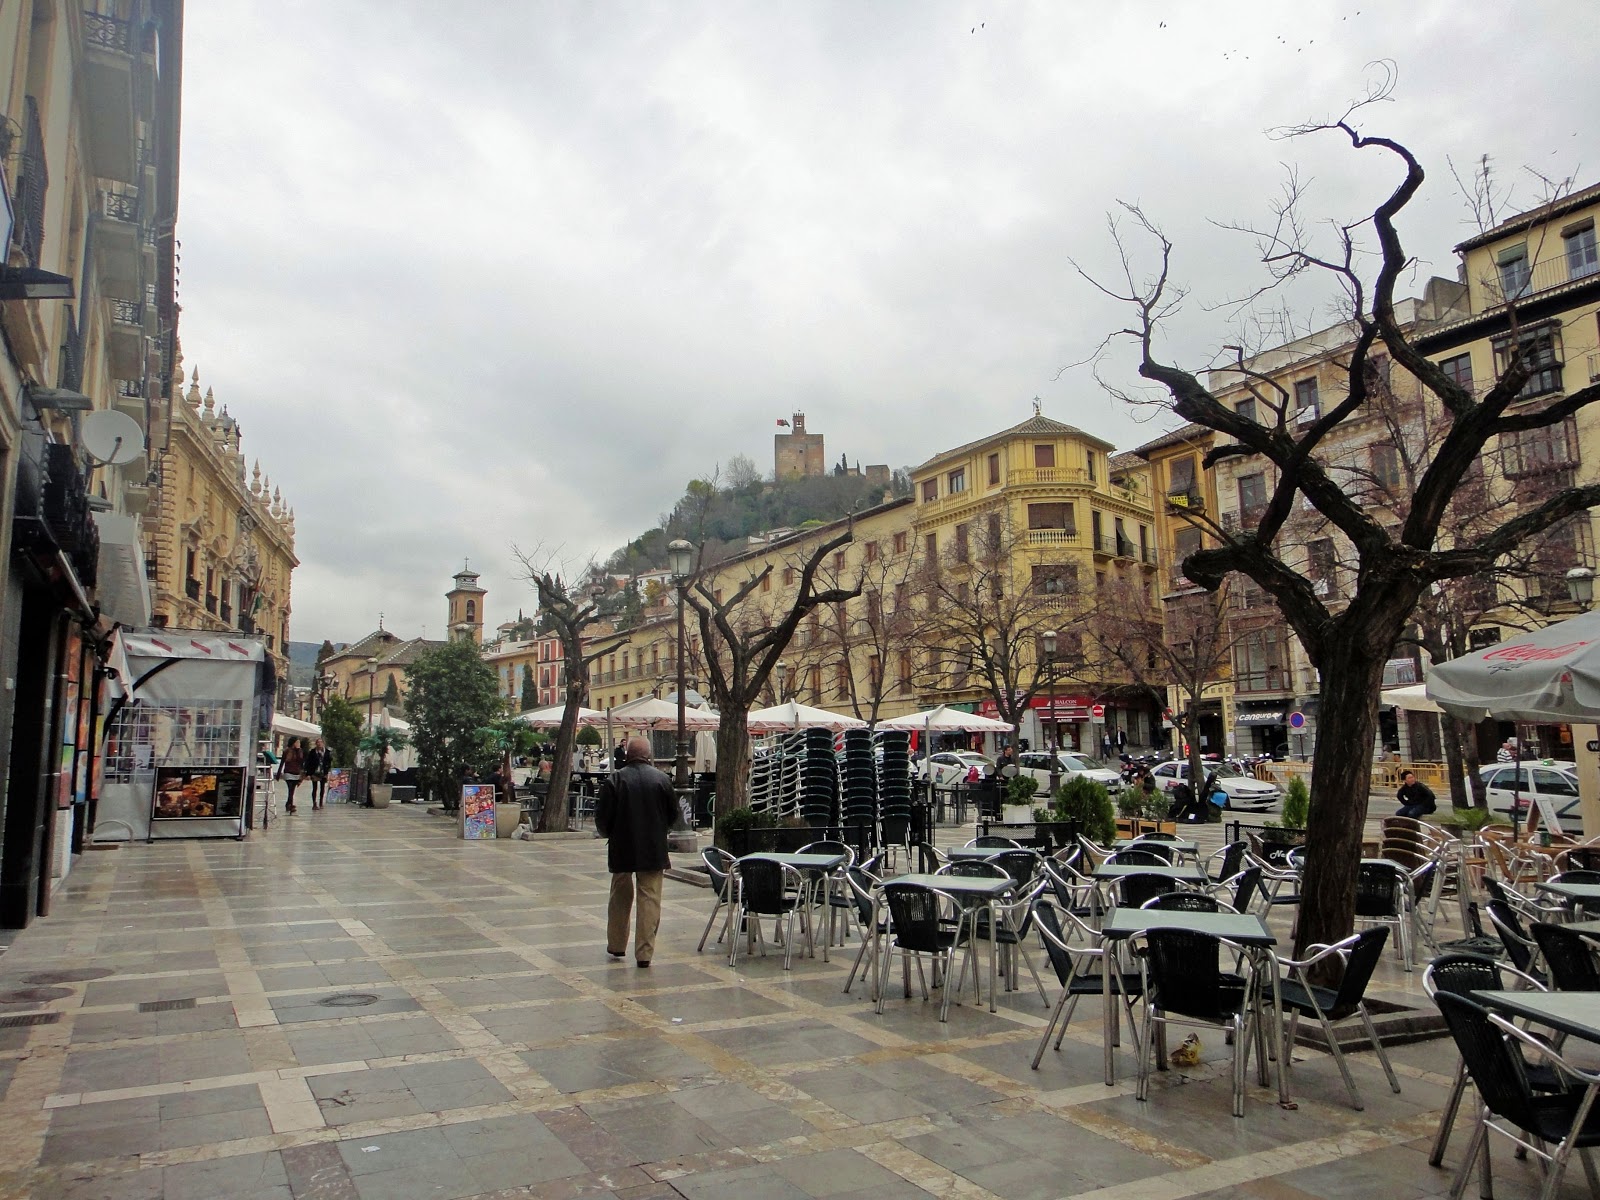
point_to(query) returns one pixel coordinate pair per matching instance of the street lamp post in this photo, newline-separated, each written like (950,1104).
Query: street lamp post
(783,672)
(680,555)
(1049,642)
(1580,584)
(372,687)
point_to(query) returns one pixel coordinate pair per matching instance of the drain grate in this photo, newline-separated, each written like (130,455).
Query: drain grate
(348,1000)
(77,975)
(166,1005)
(25,1019)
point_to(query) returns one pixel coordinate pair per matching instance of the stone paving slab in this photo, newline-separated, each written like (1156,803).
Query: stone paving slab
(383,1012)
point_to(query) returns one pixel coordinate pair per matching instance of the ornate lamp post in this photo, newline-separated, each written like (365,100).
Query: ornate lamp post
(372,687)
(1048,641)
(680,556)
(783,672)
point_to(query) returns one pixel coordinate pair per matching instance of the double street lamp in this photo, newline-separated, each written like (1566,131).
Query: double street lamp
(1048,641)
(680,558)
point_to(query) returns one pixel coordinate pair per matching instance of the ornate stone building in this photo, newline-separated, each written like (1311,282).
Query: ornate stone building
(219,539)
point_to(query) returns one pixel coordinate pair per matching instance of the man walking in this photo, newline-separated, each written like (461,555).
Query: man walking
(635,810)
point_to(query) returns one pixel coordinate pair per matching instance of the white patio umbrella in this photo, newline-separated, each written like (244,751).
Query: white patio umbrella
(550,717)
(1412,698)
(647,712)
(795,715)
(1550,675)
(945,719)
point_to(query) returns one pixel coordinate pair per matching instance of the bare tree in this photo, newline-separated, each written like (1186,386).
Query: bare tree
(1188,646)
(1395,565)
(565,610)
(742,640)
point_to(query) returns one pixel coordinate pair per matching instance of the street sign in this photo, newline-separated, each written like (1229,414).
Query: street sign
(1097,711)
(1297,720)
(1592,746)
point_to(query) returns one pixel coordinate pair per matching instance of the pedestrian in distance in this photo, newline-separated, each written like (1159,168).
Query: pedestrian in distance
(291,770)
(1416,798)
(636,808)
(317,762)
(1507,751)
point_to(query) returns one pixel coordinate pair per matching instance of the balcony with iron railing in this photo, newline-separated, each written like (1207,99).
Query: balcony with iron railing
(31,181)
(120,204)
(1186,498)
(1561,267)
(127,312)
(105,32)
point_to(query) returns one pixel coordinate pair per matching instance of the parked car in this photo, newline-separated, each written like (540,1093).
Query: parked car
(1037,766)
(1245,792)
(1556,780)
(952,766)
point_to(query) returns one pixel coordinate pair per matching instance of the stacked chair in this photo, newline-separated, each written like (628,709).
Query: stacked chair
(894,786)
(858,788)
(819,778)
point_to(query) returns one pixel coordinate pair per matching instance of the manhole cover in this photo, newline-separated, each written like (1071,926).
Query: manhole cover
(33,995)
(348,1000)
(78,975)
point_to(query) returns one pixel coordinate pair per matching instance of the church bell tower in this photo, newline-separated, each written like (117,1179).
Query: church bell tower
(466,607)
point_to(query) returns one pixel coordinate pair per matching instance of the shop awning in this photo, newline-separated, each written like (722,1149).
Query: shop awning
(121,589)
(294,727)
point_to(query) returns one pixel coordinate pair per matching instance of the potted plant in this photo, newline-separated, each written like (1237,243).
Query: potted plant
(1088,805)
(735,830)
(376,746)
(1145,812)
(1018,807)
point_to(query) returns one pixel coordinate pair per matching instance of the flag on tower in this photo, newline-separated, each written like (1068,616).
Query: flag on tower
(782,422)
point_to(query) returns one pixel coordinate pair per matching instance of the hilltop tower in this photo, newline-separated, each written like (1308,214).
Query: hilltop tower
(797,453)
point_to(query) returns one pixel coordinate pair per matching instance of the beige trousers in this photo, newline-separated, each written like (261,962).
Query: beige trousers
(621,906)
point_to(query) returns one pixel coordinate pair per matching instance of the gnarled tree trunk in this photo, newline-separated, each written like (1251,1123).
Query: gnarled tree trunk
(733,760)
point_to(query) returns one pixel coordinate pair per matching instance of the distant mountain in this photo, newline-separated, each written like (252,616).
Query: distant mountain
(303,661)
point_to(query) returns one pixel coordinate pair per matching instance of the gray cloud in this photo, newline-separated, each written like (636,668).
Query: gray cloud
(482,273)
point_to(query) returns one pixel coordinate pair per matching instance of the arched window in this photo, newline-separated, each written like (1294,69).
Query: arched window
(472,610)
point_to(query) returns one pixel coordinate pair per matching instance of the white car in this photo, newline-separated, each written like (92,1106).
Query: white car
(952,766)
(1036,765)
(1558,781)
(1245,792)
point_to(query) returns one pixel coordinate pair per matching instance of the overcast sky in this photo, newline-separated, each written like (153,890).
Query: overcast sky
(484,273)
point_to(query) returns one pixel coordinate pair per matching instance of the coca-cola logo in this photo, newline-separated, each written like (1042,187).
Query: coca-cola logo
(1505,657)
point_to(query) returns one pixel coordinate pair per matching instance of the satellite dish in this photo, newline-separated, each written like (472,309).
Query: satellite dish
(111,438)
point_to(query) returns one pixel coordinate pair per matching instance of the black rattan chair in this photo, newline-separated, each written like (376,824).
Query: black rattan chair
(768,889)
(1135,891)
(1182,980)
(1461,975)
(719,865)
(1567,1120)
(1141,856)
(922,921)
(1302,997)
(1520,947)
(860,885)
(1078,970)
(1383,895)
(1569,957)
(1231,861)
(1187,902)
(996,841)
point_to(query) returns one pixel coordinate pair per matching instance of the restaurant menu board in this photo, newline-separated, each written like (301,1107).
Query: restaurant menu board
(477,811)
(339,785)
(191,793)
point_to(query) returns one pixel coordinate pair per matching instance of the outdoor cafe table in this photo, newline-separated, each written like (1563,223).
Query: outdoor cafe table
(977,853)
(1244,929)
(1189,873)
(973,891)
(1575,894)
(1576,1014)
(816,867)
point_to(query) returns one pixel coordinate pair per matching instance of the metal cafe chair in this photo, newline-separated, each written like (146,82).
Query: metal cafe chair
(1301,997)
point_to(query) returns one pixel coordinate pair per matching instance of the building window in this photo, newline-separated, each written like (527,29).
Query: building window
(1458,370)
(788,577)
(1582,259)
(1386,466)
(930,490)
(1055,579)
(1252,497)
(816,685)
(875,673)
(1376,371)
(905,672)
(1044,455)
(870,551)
(1540,451)
(1246,409)
(472,610)
(902,593)
(1088,457)
(900,542)
(993,524)
(931,548)
(874,610)
(841,678)
(1258,659)
(766,582)
(1538,350)
(1305,399)
(957,481)
(1180,480)
(994,469)
(1185,541)
(1323,566)
(961,544)
(838,562)
(1512,264)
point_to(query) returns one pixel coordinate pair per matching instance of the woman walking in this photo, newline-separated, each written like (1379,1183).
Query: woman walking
(316,765)
(291,769)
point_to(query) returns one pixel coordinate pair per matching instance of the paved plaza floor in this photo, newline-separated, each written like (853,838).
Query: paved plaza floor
(358,1006)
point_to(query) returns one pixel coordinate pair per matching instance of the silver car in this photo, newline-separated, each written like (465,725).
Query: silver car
(1036,765)
(1246,793)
